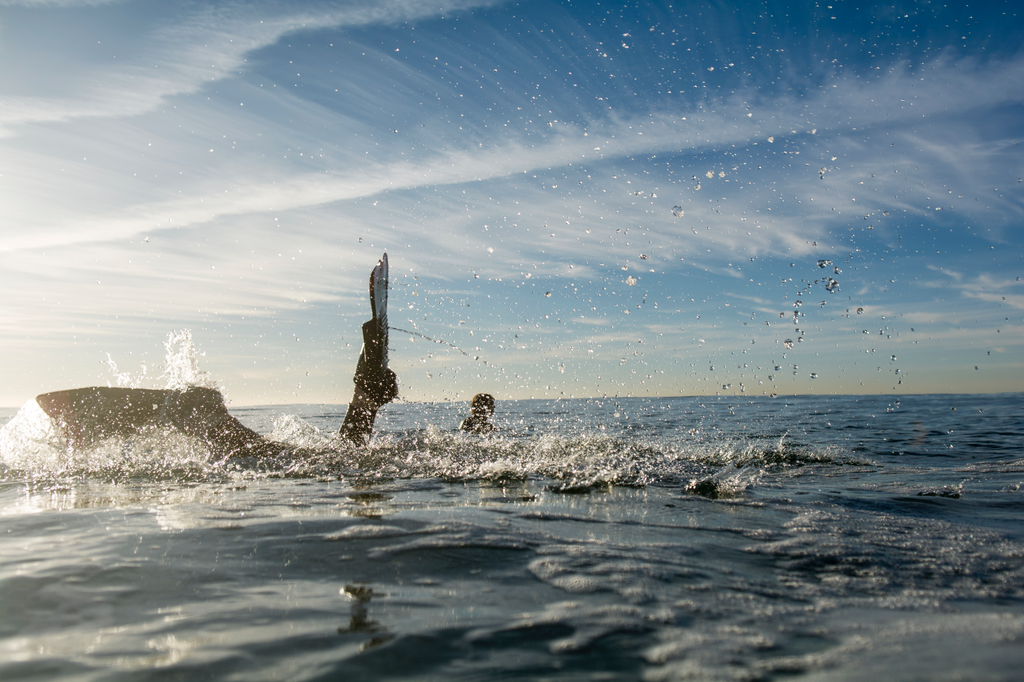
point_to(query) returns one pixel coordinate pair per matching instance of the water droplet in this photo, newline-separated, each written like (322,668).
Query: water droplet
(631,281)
(771,138)
(798,303)
(814,375)
(788,343)
(893,357)
(677,211)
(710,174)
(547,294)
(778,367)
(860,310)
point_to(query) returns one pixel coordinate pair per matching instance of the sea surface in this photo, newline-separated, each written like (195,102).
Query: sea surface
(716,538)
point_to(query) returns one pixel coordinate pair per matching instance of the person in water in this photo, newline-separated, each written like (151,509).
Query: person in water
(480,410)
(376,385)
(86,416)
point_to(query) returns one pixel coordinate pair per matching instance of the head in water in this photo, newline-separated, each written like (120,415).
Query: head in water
(482,405)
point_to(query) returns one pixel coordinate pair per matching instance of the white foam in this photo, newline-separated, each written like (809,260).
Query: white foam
(30,441)
(181,367)
(367,531)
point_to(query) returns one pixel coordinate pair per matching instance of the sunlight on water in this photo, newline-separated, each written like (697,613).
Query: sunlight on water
(578,457)
(31,444)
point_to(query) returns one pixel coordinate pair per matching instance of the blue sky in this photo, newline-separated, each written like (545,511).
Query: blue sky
(578,199)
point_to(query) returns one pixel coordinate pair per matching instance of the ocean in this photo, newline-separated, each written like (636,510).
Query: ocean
(695,538)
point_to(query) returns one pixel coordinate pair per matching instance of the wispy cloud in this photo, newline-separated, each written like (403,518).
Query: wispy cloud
(1001,290)
(606,139)
(49,4)
(206,46)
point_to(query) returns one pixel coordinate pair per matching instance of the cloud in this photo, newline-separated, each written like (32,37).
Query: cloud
(707,127)
(208,45)
(982,287)
(57,4)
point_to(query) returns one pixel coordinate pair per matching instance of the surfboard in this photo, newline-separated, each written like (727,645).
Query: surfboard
(379,303)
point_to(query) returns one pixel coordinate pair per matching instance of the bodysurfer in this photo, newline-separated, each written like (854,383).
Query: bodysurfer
(376,385)
(86,416)
(480,410)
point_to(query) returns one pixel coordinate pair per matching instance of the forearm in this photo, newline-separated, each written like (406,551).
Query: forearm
(362,412)
(376,385)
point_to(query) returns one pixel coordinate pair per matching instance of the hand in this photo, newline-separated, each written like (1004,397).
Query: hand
(379,388)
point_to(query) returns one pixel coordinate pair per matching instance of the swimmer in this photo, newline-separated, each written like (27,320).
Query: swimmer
(481,409)
(376,385)
(86,416)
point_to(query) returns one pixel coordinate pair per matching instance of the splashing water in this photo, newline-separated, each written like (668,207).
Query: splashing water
(569,463)
(181,367)
(31,443)
(124,379)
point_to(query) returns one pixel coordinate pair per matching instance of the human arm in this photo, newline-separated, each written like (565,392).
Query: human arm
(375,386)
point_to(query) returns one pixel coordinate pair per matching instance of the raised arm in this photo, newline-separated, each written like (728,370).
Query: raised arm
(376,385)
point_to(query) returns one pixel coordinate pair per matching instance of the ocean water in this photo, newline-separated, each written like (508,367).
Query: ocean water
(717,538)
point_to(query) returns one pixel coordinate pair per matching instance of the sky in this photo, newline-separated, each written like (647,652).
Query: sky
(577,199)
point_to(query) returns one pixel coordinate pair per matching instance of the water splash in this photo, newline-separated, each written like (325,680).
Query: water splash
(32,447)
(124,379)
(28,441)
(181,366)
(570,463)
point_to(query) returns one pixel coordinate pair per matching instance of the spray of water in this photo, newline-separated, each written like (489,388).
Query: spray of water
(124,379)
(181,364)
(30,443)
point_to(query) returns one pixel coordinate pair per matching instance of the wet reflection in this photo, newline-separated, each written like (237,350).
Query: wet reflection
(367,505)
(359,622)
